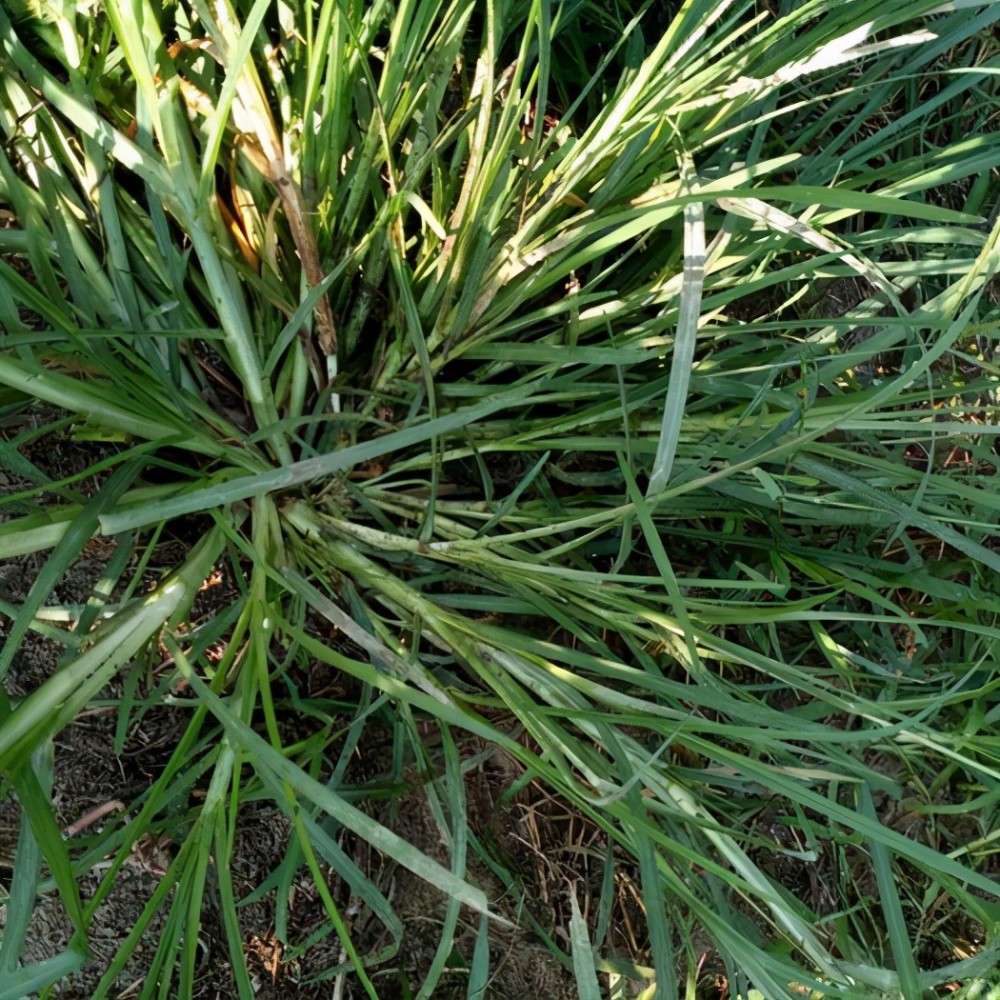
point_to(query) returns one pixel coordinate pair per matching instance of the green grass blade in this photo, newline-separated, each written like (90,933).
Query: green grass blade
(583,957)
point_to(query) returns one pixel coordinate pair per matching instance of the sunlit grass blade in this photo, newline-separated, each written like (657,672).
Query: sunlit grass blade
(685,340)
(583,964)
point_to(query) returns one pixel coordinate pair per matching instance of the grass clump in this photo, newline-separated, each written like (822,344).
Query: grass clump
(627,429)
